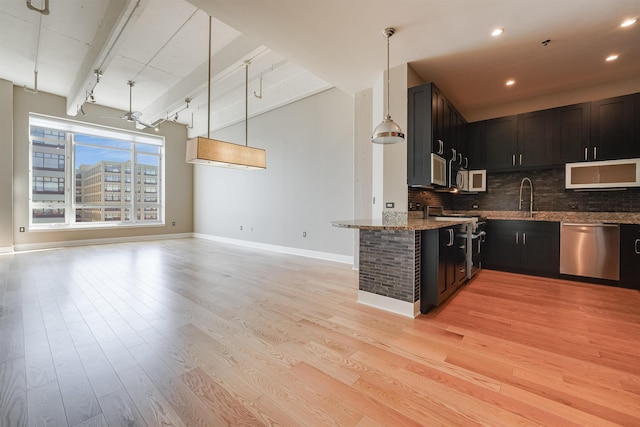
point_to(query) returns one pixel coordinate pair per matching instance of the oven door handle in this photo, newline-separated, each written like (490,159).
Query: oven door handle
(450,230)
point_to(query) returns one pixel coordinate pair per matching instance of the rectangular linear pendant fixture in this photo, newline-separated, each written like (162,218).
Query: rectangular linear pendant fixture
(206,151)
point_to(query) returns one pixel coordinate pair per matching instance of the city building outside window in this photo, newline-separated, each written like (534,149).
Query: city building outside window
(77,170)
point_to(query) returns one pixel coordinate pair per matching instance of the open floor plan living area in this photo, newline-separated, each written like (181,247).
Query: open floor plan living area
(319,213)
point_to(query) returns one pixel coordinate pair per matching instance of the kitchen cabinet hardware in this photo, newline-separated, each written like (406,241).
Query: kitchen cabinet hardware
(636,246)
(528,247)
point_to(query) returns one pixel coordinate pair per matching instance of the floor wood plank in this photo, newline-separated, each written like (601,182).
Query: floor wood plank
(13,393)
(45,406)
(189,332)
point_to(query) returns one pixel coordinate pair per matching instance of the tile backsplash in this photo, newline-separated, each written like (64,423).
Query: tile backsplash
(549,194)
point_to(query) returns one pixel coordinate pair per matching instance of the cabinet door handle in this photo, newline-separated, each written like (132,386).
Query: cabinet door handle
(440,147)
(524,238)
(517,238)
(460,158)
(586,152)
(636,247)
(595,153)
(520,159)
(466,162)
(450,237)
(513,160)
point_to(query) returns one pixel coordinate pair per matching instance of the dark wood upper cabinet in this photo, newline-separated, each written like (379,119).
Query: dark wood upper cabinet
(535,132)
(420,129)
(571,133)
(440,120)
(434,126)
(598,130)
(501,138)
(477,144)
(612,128)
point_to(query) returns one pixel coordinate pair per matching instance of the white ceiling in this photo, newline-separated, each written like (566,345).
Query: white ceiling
(301,47)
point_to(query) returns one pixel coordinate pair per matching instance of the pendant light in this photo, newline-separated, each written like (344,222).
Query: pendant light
(212,152)
(388,131)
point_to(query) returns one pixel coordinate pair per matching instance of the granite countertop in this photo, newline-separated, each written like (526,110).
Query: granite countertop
(415,220)
(390,224)
(568,216)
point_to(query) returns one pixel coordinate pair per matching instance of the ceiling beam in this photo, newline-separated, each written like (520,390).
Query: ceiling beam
(119,18)
(231,56)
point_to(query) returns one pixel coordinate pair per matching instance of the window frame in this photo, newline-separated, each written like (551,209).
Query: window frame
(72,197)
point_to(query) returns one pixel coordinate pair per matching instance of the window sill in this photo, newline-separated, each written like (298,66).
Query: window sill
(39,229)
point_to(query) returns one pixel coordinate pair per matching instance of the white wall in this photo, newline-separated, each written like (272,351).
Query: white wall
(389,174)
(363,151)
(308,181)
(395,155)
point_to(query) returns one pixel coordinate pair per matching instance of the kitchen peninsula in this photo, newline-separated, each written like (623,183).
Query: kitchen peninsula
(391,260)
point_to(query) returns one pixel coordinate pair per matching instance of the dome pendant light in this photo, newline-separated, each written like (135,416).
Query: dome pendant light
(388,131)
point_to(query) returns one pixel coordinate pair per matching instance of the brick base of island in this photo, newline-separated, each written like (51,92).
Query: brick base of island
(389,272)
(389,267)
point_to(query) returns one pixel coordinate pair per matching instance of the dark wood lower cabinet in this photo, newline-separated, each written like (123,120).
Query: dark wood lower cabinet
(529,247)
(443,266)
(630,256)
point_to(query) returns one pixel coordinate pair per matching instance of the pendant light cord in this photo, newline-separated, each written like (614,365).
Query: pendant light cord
(209,86)
(388,92)
(246,103)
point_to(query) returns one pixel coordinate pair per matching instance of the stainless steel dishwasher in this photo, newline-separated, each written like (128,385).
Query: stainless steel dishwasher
(590,250)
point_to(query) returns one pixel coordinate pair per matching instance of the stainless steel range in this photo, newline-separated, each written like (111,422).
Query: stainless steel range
(470,236)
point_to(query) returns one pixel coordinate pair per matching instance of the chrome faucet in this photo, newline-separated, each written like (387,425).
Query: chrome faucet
(531,199)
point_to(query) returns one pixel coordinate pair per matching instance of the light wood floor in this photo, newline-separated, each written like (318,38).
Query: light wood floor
(192,333)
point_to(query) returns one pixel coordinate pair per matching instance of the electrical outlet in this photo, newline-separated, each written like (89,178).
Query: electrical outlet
(389,205)
(173,223)
(240,228)
(304,234)
(22,229)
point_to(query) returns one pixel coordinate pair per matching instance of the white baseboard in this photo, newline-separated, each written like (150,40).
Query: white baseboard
(85,242)
(403,308)
(6,249)
(343,259)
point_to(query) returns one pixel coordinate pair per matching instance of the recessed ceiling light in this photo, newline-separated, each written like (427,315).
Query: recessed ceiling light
(510,82)
(628,22)
(497,32)
(612,57)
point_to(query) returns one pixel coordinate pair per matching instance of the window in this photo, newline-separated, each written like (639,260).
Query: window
(81,175)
